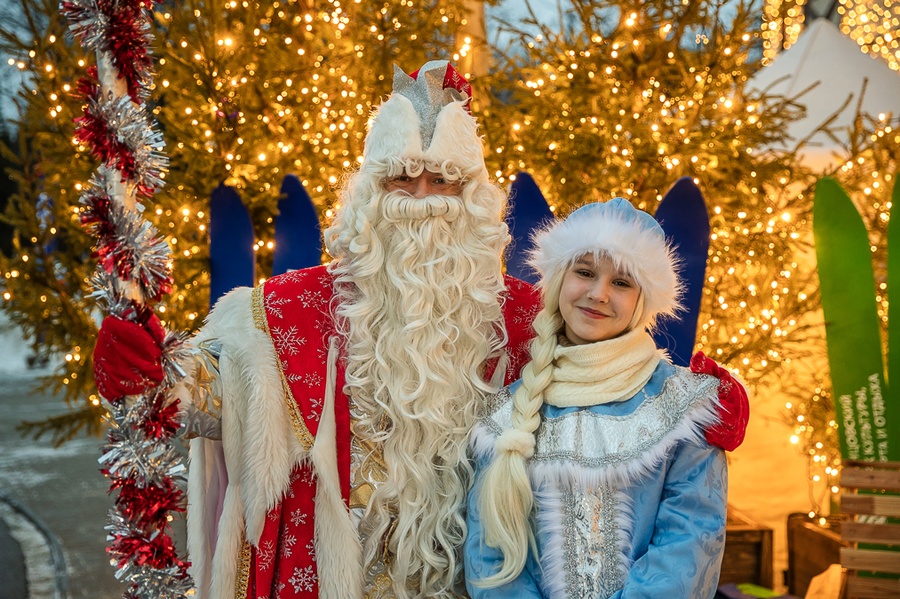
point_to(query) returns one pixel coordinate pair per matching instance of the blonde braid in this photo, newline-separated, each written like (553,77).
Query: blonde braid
(506,498)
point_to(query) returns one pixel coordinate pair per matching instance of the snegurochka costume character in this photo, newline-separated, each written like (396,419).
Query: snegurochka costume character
(334,404)
(593,477)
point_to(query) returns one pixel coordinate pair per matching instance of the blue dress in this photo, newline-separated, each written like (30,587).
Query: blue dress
(630,500)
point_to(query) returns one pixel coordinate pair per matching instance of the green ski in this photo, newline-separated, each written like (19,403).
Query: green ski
(851,323)
(892,403)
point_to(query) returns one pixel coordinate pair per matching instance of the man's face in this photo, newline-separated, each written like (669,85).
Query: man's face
(426,184)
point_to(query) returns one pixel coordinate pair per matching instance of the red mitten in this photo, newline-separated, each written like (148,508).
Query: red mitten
(734,407)
(128,356)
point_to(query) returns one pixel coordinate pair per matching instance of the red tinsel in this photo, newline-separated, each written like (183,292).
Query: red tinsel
(123,139)
(158,552)
(146,506)
(128,44)
(95,217)
(116,256)
(125,38)
(93,130)
(88,87)
(162,420)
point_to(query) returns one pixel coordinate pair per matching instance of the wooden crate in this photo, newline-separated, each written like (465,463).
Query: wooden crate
(863,483)
(812,548)
(748,552)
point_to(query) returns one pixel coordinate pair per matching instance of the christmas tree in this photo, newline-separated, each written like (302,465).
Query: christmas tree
(246,93)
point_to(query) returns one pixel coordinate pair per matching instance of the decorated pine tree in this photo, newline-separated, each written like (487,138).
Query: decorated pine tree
(245,93)
(45,278)
(620,100)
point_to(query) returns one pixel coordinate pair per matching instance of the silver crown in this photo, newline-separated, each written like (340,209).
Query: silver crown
(427,94)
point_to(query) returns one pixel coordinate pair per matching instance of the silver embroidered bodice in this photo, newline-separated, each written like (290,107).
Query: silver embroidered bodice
(597,473)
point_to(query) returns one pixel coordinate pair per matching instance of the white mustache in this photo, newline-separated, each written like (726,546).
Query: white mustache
(402,206)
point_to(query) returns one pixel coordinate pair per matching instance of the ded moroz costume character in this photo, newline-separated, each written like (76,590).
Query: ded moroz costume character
(355,385)
(334,405)
(596,459)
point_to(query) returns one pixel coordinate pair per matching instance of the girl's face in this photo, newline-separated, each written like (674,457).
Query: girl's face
(597,301)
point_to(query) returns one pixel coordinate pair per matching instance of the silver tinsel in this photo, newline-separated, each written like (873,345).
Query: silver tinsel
(146,581)
(94,27)
(130,453)
(147,250)
(139,453)
(131,125)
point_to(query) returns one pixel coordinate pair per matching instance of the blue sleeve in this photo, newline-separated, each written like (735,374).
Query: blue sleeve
(684,557)
(481,561)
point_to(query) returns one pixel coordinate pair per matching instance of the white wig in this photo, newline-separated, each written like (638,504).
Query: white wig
(631,238)
(425,123)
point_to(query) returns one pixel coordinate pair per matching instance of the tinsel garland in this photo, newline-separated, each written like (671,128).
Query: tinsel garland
(134,272)
(120,29)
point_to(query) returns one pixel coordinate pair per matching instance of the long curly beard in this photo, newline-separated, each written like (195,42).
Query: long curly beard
(421,315)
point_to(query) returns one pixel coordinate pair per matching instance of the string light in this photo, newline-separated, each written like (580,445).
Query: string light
(620,112)
(875,26)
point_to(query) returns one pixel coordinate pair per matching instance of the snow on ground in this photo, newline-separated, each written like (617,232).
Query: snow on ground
(15,351)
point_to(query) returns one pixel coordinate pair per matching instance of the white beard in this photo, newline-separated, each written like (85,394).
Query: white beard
(419,328)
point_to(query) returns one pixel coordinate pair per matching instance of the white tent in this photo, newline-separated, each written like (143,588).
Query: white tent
(825,56)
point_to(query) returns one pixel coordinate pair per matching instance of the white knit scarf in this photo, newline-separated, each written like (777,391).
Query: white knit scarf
(602,372)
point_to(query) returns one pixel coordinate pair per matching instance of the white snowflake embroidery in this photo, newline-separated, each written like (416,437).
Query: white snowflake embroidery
(308,476)
(275,304)
(281,587)
(291,276)
(313,379)
(311,548)
(311,298)
(266,554)
(316,408)
(298,517)
(287,341)
(292,377)
(295,475)
(289,542)
(525,316)
(325,280)
(303,579)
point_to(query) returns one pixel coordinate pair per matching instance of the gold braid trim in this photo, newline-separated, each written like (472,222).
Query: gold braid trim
(243,574)
(262,323)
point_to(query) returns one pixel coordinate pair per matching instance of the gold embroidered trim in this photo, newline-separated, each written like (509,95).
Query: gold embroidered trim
(262,323)
(243,574)
(258,307)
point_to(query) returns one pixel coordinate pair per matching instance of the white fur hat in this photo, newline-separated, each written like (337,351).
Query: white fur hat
(630,237)
(425,121)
